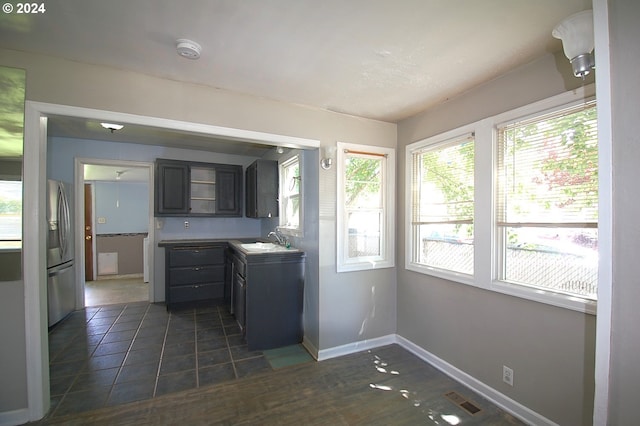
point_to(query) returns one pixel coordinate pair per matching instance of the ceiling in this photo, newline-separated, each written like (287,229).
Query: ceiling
(378,59)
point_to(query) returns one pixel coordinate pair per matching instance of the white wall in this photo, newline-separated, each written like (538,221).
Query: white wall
(476,331)
(624,380)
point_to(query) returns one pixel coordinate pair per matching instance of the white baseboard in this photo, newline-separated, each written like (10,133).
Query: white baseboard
(356,347)
(499,399)
(15,417)
(509,405)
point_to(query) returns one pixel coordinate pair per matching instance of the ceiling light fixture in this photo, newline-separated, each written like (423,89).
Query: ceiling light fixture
(188,48)
(576,33)
(111,126)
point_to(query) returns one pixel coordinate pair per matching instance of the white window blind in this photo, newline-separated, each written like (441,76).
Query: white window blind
(547,200)
(442,204)
(548,170)
(443,183)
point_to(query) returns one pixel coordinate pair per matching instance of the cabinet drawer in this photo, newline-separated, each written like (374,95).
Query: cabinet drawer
(196,274)
(196,292)
(196,256)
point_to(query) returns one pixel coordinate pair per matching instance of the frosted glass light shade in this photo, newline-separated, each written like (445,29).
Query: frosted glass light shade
(576,33)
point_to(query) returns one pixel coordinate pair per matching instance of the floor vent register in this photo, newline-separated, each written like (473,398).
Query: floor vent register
(460,401)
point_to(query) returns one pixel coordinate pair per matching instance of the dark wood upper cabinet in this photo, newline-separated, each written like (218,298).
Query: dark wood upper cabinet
(229,190)
(262,189)
(171,180)
(197,189)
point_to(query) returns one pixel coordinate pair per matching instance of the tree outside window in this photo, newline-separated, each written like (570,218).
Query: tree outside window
(442,205)
(547,206)
(290,196)
(365,207)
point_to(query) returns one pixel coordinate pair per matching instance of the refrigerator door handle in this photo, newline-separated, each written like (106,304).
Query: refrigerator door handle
(64,220)
(56,270)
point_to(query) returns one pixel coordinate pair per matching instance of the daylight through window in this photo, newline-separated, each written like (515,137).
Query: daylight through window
(365,200)
(547,201)
(442,205)
(290,195)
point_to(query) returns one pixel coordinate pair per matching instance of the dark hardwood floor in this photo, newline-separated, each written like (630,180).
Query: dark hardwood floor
(383,386)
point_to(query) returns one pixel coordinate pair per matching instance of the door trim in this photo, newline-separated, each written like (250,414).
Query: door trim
(79,182)
(89,258)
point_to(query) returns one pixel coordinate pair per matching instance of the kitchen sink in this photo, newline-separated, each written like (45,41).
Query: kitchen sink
(260,247)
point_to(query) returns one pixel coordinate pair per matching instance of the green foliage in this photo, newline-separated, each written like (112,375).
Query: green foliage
(451,171)
(363,179)
(573,166)
(10,206)
(553,163)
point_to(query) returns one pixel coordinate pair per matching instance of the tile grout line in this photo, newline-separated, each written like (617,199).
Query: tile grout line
(128,349)
(226,339)
(195,338)
(77,375)
(164,341)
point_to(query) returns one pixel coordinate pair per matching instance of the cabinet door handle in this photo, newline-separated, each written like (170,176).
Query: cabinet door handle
(197,269)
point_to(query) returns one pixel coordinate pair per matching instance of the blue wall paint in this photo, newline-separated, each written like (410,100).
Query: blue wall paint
(60,165)
(123,205)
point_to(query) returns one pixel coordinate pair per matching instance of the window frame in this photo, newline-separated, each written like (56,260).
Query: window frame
(443,140)
(283,227)
(486,238)
(387,257)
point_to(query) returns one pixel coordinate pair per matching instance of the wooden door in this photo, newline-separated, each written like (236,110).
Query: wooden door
(88,233)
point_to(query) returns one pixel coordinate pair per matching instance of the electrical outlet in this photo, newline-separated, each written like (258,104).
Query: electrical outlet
(186,224)
(507,375)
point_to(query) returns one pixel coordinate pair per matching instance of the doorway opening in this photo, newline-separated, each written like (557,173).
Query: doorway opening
(116,219)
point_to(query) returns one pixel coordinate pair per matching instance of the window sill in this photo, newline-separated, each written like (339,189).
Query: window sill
(560,300)
(364,266)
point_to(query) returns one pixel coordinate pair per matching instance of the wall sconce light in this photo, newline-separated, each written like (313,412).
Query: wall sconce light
(327,158)
(111,126)
(576,33)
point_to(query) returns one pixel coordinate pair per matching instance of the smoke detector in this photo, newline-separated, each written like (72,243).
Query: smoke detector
(188,49)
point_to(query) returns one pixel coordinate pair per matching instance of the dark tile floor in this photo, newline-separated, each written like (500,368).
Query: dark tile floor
(109,355)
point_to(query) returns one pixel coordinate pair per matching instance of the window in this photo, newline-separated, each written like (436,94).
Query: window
(366,181)
(291,197)
(442,204)
(510,203)
(547,201)
(10,214)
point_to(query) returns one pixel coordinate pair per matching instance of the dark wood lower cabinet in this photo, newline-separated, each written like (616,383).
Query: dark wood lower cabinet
(264,291)
(269,299)
(194,273)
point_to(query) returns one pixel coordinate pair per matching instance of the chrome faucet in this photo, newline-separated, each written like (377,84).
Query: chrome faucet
(281,239)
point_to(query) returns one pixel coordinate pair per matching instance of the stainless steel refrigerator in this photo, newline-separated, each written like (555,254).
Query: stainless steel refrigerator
(61,287)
